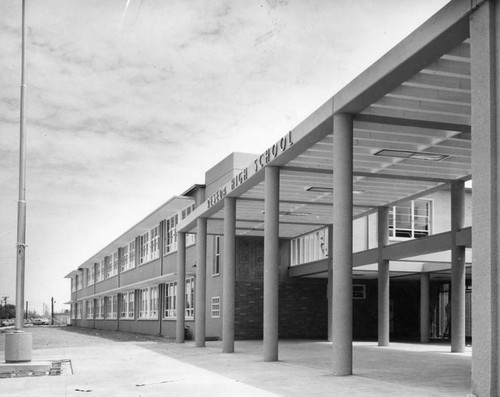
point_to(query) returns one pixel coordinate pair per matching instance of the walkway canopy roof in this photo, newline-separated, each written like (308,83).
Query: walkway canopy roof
(412,135)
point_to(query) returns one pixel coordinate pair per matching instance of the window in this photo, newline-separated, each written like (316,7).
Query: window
(189,297)
(90,309)
(410,220)
(111,306)
(310,247)
(127,305)
(100,270)
(108,265)
(79,310)
(186,211)
(215,306)
(131,254)
(190,239)
(217,257)
(155,242)
(124,259)
(90,275)
(73,284)
(171,300)
(114,270)
(99,310)
(73,311)
(79,285)
(144,248)
(170,235)
(148,302)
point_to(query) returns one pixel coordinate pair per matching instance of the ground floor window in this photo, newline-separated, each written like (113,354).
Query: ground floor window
(127,305)
(148,302)
(190,297)
(90,309)
(99,310)
(111,306)
(215,306)
(79,310)
(170,300)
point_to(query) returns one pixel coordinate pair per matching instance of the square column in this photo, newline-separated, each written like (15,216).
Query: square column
(383,278)
(425,281)
(457,269)
(342,245)
(201,282)
(271,263)
(228,275)
(484,28)
(181,287)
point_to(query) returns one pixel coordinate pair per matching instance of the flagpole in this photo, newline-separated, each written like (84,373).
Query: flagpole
(18,344)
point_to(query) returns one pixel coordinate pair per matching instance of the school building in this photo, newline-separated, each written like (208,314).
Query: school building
(355,224)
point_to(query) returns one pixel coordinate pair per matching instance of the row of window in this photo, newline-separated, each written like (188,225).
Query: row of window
(125,258)
(106,307)
(408,220)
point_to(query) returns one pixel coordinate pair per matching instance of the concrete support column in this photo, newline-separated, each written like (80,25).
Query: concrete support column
(425,282)
(201,282)
(457,269)
(271,263)
(383,278)
(485,74)
(342,245)
(181,287)
(228,275)
(329,285)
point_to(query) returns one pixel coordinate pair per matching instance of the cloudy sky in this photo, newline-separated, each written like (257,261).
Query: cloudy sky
(130,102)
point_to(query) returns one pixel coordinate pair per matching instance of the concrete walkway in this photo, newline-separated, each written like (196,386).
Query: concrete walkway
(157,368)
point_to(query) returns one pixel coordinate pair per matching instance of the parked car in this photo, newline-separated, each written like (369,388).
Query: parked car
(8,323)
(40,321)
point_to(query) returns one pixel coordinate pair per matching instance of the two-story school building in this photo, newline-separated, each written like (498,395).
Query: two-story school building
(338,229)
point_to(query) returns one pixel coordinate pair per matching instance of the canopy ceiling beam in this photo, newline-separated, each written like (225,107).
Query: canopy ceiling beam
(404,122)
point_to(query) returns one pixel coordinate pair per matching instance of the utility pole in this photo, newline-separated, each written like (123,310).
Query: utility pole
(52,310)
(26,312)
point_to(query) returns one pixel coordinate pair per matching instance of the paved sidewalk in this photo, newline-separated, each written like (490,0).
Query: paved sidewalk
(104,367)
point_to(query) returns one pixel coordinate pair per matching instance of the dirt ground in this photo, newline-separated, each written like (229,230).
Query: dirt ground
(44,337)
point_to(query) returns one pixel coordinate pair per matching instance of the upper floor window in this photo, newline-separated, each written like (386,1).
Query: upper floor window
(155,242)
(100,271)
(144,244)
(411,219)
(131,254)
(186,211)
(124,259)
(114,270)
(309,247)
(79,285)
(170,235)
(217,256)
(90,275)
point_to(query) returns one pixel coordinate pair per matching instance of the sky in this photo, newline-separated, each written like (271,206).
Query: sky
(129,102)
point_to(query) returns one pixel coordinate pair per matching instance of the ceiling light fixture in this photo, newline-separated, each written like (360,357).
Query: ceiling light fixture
(292,213)
(406,154)
(321,189)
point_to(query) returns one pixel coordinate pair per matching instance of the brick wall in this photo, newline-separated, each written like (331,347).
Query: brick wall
(303,302)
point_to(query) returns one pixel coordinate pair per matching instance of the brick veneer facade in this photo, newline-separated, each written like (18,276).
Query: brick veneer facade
(303,303)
